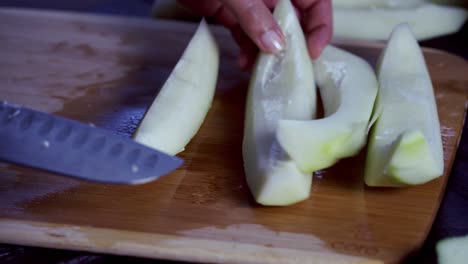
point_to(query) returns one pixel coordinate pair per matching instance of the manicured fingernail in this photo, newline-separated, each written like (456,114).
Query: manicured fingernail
(272,41)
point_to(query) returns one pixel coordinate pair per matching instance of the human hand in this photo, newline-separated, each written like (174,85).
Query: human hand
(253,26)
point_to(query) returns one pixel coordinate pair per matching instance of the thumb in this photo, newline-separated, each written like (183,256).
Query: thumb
(258,23)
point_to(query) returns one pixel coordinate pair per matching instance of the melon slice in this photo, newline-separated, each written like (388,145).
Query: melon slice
(282,86)
(180,108)
(348,87)
(452,250)
(376,3)
(405,146)
(390,3)
(376,23)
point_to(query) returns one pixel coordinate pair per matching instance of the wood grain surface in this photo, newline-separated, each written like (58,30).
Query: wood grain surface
(107,70)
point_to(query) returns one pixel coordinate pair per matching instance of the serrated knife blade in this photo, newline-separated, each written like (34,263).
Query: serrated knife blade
(45,141)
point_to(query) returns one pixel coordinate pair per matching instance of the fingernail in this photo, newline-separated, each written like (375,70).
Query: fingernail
(272,41)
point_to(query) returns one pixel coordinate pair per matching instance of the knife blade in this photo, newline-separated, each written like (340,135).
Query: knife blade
(49,142)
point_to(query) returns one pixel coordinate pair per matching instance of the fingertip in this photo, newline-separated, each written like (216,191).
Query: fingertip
(315,50)
(258,22)
(317,40)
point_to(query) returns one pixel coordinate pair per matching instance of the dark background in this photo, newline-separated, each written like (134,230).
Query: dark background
(452,217)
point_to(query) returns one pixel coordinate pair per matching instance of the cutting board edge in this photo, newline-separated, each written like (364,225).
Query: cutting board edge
(457,145)
(448,173)
(157,246)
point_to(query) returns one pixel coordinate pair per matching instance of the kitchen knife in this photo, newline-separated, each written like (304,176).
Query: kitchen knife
(56,144)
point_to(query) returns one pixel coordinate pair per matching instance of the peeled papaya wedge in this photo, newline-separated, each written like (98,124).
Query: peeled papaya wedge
(376,3)
(281,87)
(452,250)
(181,105)
(405,145)
(427,20)
(348,88)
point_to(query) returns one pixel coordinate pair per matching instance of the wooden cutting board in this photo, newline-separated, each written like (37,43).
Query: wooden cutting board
(107,70)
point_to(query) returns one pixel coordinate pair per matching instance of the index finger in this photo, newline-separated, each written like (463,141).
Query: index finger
(256,19)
